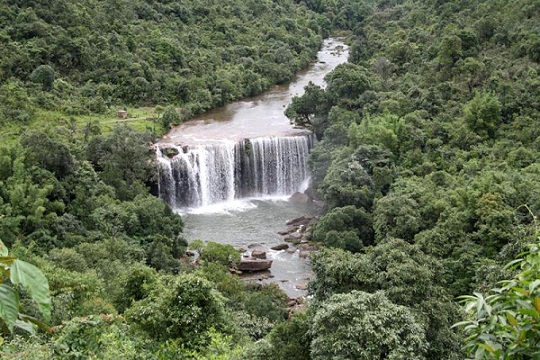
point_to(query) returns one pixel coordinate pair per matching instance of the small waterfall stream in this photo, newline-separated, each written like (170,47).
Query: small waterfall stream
(206,174)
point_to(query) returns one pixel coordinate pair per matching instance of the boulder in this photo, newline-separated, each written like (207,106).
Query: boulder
(302,220)
(258,254)
(235,271)
(291,250)
(294,238)
(170,152)
(254,265)
(289,230)
(301,286)
(252,246)
(303,254)
(299,198)
(280,247)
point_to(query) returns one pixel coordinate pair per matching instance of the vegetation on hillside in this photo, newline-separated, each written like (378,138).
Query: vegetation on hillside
(77,62)
(428,166)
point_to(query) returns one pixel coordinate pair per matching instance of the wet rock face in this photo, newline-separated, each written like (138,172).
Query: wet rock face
(170,152)
(258,254)
(302,220)
(254,265)
(280,247)
(299,198)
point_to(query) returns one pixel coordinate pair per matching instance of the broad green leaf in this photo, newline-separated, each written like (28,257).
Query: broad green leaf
(521,291)
(9,305)
(530,312)
(534,285)
(511,319)
(537,304)
(3,249)
(33,280)
(33,320)
(487,347)
(26,326)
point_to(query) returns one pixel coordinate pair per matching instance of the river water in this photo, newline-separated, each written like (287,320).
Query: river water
(256,221)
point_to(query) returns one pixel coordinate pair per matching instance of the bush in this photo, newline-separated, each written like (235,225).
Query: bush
(183,307)
(43,75)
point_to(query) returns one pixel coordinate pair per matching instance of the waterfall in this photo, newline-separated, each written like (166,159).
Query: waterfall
(201,175)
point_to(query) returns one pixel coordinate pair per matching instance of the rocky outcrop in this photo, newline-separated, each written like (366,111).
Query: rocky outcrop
(302,220)
(299,198)
(258,254)
(170,152)
(254,265)
(280,247)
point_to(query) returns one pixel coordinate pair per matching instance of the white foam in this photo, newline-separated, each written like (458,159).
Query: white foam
(233,206)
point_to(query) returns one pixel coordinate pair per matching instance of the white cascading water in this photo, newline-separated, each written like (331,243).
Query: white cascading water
(202,175)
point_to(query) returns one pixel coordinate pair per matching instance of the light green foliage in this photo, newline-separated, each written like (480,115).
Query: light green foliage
(223,254)
(504,323)
(366,326)
(230,285)
(102,337)
(22,275)
(386,131)
(170,117)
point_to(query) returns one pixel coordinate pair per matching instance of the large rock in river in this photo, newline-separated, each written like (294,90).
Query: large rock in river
(254,265)
(258,254)
(300,198)
(302,220)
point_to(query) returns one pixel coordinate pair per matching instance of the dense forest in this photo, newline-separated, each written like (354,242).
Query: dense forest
(426,161)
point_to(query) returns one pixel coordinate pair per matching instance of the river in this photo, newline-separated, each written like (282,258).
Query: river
(250,220)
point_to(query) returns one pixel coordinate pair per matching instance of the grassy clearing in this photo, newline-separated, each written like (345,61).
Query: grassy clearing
(142,119)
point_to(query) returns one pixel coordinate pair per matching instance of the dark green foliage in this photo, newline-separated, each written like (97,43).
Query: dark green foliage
(43,75)
(124,159)
(432,132)
(182,308)
(347,228)
(407,276)
(133,285)
(483,114)
(48,153)
(195,54)
(288,340)
(267,302)
(366,326)
(170,117)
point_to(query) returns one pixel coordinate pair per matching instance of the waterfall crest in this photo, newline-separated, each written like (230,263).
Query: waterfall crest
(202,175)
